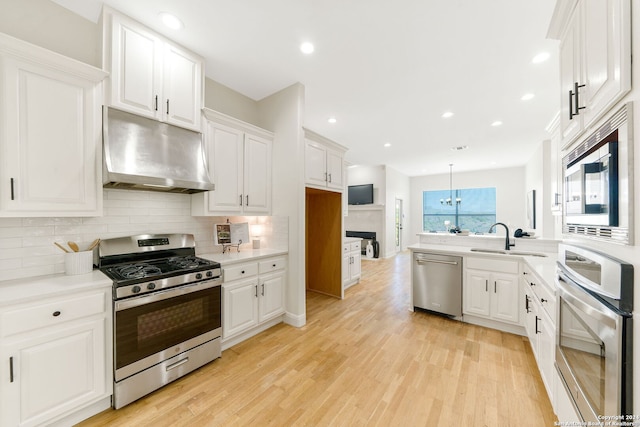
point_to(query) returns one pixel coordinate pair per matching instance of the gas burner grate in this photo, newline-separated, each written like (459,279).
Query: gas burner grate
(136,271)
(184,262)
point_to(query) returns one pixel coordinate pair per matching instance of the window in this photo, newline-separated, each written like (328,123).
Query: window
(476,212)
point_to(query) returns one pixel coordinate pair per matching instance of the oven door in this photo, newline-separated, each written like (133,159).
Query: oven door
(153,327)
(590,353)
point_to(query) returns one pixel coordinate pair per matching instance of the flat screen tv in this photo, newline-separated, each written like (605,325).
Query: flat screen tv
(360,194)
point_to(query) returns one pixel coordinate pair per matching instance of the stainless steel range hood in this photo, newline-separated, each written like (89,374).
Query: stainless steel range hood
(144,154)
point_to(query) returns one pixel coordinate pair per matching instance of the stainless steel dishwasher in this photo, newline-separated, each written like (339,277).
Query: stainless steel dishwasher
(437,283)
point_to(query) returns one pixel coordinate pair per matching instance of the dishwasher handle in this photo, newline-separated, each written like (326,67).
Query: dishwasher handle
(420,260)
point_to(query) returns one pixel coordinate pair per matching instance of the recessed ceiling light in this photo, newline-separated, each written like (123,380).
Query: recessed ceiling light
(459,148)
(332,120)
(307,48)
(527,96)
(171,21)
(447,114)
(387,145)
(541,57)
(496,123)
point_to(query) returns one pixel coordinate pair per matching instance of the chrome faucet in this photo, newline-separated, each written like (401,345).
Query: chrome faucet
(507,244)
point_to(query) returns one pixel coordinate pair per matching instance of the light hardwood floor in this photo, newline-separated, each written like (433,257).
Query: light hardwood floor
(362,361)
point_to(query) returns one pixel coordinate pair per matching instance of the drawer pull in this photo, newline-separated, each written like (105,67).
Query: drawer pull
(11,369)
(543,300)
(242,272)
(532,284)
(273,265)
(56,313)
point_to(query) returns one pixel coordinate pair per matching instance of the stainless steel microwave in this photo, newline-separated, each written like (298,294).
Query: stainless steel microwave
(598,182)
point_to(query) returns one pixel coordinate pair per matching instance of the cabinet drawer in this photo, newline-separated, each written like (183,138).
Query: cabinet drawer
(492,264)
(346,248)
(239,271)
(355,246)
(273,264)
(547,300)
(51,313)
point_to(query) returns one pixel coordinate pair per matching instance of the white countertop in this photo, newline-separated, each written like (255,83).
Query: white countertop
(351,239)
(234,256)
(543,267)
(24,290)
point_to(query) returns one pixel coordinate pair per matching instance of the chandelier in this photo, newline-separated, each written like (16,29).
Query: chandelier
(449,200)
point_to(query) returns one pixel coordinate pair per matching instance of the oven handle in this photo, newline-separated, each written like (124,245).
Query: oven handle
(166,294)
(584,302)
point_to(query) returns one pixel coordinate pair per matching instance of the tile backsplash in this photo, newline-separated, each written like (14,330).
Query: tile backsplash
(27,244)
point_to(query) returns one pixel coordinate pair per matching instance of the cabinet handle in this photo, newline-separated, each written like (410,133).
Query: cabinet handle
(571,105)
(329,177)
(263,289)
(274,266)
(526,303)
(574,96)
(495,287)
(11,369)
(256,291)
(242,272)
(537,331)
(531,284)
(246,203)
(167,106)
(241,200)
(56,313)
(12,193)
(542,300)
(486,285)
(525,273)
(156,102)
(576,86)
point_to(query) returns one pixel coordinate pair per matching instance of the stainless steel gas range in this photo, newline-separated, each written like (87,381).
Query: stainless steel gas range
(167,314)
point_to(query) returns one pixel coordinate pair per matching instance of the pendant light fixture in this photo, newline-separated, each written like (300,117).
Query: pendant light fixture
(449,200)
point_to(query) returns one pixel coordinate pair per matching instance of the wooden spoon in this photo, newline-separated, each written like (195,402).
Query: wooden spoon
(93,244)
(61,247)
(73,246)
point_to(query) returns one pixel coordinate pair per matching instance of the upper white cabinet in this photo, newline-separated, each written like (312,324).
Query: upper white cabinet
(595,60)
(239,156)
(324,162)
(50,137)
(151,76)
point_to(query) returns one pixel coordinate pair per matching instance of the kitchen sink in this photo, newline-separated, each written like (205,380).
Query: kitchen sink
(488,251)
(502,252)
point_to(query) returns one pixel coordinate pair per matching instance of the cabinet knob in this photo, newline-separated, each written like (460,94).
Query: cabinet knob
(543,300)
(56,313)
(242,272)
(274,266)
(532,284)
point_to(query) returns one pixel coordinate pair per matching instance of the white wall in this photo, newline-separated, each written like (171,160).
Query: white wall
(510,194)
(283,113)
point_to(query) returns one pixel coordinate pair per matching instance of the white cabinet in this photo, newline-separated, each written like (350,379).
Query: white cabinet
(50,137)
(540,324)
(55,357)
(239,157)
(595,60)
(491,290)
(151,76)
(324,163)
(252,295)
(351,263)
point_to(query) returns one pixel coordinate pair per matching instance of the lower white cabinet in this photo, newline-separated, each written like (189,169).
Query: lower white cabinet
(491,292)
(491,289)
(540,324)
(252,294)
(54,357)
(351,263)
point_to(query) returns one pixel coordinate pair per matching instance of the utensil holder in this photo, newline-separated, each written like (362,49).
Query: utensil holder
(78,262)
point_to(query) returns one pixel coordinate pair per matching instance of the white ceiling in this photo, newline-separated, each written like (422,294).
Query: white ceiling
(387,71)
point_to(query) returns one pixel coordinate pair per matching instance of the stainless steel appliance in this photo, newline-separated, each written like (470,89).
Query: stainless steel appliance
(167,314)
(144,154)
(594,338)
(598,182)
(437,283)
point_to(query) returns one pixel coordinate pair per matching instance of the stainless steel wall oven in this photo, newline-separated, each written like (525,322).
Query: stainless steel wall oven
(167,311)
(595,336)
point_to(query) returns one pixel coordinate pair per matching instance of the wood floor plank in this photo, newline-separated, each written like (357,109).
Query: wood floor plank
(366,360)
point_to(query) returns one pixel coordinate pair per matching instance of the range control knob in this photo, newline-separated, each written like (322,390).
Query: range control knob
(209,273)
(151,286)
(199,276)
(136,289)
